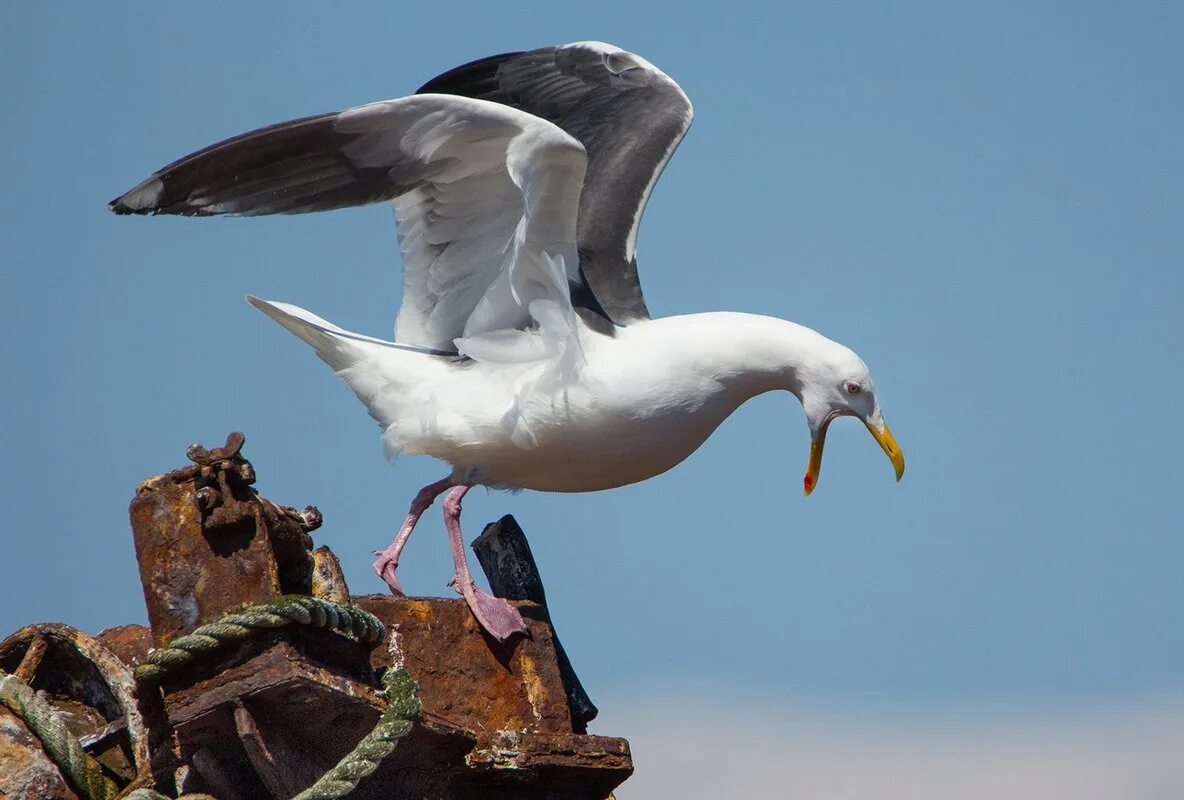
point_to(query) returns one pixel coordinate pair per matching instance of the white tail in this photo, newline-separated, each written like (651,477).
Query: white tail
(380,373)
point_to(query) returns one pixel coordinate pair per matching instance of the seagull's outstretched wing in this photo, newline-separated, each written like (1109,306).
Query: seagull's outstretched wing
(485,197)
(628,114)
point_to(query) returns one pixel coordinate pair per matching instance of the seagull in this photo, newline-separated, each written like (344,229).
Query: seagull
(524,355)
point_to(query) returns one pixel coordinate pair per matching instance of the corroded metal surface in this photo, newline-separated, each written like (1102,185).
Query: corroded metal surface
(193,574)
(263,719)
(129,643)
(494,716)
(328,581)
(92,690)
(508,697)
(465,676)
(281,707)
(525,765)
(207,543)
(264,723)
(515,750)
(25,769)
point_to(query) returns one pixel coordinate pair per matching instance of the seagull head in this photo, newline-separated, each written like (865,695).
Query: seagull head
(836,383)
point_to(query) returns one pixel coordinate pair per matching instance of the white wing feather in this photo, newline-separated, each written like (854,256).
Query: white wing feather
(485,196)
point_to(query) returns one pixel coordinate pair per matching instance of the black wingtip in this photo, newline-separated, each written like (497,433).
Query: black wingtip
(471,79)
(117,206)
(143,198)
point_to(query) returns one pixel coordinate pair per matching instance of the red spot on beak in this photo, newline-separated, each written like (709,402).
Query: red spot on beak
(808,482)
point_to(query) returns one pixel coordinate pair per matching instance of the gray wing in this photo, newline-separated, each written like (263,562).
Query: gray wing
(630,117)
(485,197)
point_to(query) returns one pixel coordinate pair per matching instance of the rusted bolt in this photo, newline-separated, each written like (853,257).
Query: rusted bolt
(310,518)
(208,498)
(246,473)
(199,455)
(234,443)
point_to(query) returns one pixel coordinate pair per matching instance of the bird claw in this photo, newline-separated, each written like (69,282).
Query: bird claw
(385,567)
(495,614)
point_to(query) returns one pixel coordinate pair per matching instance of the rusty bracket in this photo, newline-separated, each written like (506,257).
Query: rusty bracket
(208,542)
(222,473)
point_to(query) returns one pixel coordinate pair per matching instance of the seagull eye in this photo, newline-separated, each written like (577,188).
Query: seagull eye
(853,387)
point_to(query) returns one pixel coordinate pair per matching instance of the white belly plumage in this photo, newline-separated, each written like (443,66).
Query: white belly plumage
(577,458)
(577,439)
(637,403)
(626,414)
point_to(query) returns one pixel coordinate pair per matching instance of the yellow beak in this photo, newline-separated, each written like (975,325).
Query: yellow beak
(882,435)
(891,449)
(815,464)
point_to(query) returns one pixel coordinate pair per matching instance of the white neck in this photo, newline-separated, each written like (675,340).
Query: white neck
(748,354)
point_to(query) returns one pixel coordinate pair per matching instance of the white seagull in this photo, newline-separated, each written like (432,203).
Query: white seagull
(524,355)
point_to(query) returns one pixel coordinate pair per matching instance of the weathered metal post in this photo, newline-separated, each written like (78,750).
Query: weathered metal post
(507,561)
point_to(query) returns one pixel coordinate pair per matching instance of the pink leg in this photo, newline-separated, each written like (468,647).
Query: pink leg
(388,559)
(500,619)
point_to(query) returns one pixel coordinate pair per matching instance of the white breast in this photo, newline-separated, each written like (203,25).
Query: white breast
(634,409)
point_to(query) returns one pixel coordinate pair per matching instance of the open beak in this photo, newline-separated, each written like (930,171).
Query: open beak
(879,432)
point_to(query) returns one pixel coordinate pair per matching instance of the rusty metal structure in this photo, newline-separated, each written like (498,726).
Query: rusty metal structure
(264,718)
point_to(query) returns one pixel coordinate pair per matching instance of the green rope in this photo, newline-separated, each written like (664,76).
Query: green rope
(83,774)
(253,620)
(402,706)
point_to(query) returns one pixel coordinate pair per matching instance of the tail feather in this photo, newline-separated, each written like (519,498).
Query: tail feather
(322,335)
(338,347)
(378,371)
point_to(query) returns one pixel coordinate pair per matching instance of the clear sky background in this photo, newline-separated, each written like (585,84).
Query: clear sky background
(985,203)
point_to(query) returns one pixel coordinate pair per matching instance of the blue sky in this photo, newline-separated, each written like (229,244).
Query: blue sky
(985,203)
